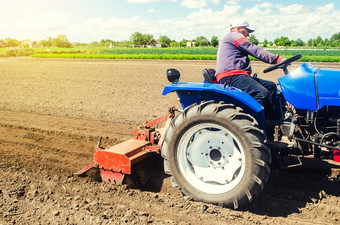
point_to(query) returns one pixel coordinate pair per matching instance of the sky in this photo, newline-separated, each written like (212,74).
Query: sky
(93,20)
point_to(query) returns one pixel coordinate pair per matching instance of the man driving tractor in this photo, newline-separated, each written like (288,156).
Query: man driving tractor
(233,66)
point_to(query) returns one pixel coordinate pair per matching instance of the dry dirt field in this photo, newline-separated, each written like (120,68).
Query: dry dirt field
(52,112)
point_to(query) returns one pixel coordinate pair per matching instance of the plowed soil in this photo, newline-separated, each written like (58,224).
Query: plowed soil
(52,112)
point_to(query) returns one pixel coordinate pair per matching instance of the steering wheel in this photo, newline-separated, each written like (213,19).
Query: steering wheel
(283,65)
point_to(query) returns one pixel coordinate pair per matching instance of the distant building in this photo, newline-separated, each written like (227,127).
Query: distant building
(28,44)
(154,44)
(191,43)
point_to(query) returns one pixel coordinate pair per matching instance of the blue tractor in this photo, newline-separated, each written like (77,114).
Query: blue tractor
(219,148)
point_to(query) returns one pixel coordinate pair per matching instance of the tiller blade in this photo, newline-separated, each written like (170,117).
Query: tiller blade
(116,161)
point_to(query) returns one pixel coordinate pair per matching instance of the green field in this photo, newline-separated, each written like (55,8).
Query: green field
(311,55)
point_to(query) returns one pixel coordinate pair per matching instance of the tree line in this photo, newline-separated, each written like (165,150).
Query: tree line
(141,39)
(59,41)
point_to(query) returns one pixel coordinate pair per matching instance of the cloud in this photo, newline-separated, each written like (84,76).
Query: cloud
(143,1)
(194,3)
(216,2)
(270,20)
(108,28)
(49,23)
(201,22)
(148,1)
(197,4)
(328,8)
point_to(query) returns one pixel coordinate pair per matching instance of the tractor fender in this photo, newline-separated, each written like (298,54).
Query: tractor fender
(190,93)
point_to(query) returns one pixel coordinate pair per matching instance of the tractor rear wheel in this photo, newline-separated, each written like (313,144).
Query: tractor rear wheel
(215,154)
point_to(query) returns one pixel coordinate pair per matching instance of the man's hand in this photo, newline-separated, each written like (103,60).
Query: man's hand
(282,60)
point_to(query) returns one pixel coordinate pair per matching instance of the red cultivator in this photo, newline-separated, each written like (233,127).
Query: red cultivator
(116,161)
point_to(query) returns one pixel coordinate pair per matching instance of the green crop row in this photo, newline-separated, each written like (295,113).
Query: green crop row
(319,55)
(210,51)
(127,56)
(172,56)
(159,51)
(307,52)
(177,51)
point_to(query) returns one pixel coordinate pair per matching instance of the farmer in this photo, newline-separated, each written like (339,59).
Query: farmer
(233,66)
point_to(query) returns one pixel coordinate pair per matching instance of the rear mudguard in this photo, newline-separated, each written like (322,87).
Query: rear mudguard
(190,93)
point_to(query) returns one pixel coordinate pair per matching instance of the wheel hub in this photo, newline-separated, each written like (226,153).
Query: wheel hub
(214,156)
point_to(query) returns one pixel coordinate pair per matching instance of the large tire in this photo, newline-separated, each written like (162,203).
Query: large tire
(216,154)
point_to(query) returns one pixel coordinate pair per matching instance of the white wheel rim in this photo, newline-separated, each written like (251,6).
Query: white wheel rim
(211,158)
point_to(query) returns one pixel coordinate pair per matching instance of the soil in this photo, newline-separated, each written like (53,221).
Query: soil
(52,112)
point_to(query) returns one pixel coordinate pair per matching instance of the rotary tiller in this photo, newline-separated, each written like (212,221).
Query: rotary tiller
(116,161)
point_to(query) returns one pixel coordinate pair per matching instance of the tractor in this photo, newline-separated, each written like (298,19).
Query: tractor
(219,148)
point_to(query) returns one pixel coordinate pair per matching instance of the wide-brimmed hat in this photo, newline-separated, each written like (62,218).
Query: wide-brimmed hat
(242,24)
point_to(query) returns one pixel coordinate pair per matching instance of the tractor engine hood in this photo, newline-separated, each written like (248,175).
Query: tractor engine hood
(311,88)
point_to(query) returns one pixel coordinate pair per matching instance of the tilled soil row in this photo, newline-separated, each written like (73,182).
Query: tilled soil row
(38,185)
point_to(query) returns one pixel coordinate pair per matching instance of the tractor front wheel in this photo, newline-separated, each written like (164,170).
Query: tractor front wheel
(215,153)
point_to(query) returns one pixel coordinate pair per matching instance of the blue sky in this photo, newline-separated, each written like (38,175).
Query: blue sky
(93,20)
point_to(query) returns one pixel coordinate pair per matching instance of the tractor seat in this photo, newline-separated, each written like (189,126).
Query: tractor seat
(209,75)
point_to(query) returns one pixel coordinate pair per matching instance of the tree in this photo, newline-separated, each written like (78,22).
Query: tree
(265,43)
(253,39)
(319,41)
(61,41)
(327,42)
(148,38)
(123,44)
(310,42)
(335,40)
(183,43)
(165,40)
(173,43)
(138,38)
(2,43)
(106,42)
(46,43)
(299,42)
(202,41)
(282,41)
(10,42)
(214,41)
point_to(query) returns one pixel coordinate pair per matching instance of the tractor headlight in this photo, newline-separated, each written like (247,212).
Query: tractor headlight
(173,75)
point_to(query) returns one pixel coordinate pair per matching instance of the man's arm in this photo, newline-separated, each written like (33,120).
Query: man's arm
(246,46)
